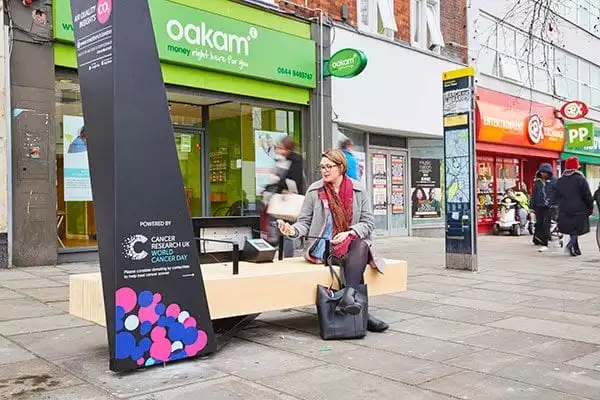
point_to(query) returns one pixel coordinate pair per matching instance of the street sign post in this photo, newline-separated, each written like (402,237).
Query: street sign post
(459,168)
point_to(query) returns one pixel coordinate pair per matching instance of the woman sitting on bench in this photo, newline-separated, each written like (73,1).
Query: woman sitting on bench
(339,208)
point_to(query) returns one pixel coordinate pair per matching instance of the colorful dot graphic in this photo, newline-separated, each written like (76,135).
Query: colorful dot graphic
(150,332)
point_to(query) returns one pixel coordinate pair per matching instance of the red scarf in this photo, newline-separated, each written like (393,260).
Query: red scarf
(340,205)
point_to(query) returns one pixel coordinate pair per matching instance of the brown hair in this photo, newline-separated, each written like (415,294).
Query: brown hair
(338,158)
(287,143)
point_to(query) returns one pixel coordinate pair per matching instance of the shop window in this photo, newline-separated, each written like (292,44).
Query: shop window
(592,173)
(377,16)
(425,24)
(485,189)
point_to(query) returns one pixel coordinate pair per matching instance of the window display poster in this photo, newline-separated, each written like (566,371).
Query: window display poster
(380,189)
(397,199)
(397,170)
(426,198)
(265,143)
(77,185)
(361,159)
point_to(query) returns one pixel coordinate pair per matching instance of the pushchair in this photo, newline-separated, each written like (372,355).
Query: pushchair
(554,232)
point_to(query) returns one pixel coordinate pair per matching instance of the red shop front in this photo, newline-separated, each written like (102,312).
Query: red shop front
(514,136)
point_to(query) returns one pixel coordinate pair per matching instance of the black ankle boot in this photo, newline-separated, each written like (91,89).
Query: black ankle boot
(376,325)
(347,303)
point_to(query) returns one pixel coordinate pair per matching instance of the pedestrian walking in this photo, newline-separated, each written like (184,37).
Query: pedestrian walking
(575,204)
(347,148)
(542,199)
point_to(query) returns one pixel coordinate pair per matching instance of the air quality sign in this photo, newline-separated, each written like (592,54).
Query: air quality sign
(347,63)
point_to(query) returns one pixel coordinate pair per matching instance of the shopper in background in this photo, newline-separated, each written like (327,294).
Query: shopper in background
(347,148)
(575,204)
(542,201)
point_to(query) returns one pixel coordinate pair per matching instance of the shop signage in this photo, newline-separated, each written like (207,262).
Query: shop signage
(459,167)
(200,39)
(508,120)
(154,296)
(574,110)
(580,135)
(347,63)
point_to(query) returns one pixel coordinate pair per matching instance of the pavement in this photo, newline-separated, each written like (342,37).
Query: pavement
(525,326)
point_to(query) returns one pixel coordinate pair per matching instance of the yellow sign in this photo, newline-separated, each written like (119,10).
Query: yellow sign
(456,120)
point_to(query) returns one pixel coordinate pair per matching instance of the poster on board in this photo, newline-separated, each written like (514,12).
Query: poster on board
(380,182)
(265,144)
(426,190)
(361,159)
(76,170)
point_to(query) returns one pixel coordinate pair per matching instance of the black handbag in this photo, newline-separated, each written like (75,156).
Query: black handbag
(333,323)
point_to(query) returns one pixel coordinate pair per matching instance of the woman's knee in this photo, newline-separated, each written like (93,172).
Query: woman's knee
(359,245)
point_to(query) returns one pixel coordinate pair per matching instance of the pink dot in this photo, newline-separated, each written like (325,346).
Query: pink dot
(160,350)
(148,314)
(158,333)
(157,298)
(173,310)
(189,322)
(140,361)
(126,298)
(200,343)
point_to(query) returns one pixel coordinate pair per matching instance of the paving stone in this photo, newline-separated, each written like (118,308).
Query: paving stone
(580,307)
(7,294)
(501,279)
(23,379)
(484,361)
(416,295)
(436,328)
(79,268)
(583,282)
(60,305)
(329,382)
(505,340)
(478,304)
(558,316)
(400,304)
(472,385)
(391,316)
(415,346)
(559,350)
(461,314)
(495,296)
(306,322)
(564,286)
(294,341)
(24,308)
(228,388)
(30,283)
(48,294)
(563,294)
(506,287)
(79,392)
(468,280)
(13,353)
(392,366)
(254,361)
(589,361)
(434,287)
(94,370)
(40,324)
(65,343)
(14,274)
(550,328)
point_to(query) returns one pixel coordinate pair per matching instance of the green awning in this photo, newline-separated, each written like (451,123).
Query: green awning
(584,159)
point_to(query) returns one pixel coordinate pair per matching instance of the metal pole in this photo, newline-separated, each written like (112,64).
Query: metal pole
(5,142)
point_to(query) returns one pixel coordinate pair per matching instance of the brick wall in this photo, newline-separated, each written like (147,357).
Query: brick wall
(453,19)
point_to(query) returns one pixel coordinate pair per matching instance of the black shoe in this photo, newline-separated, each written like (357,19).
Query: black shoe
(376,325)
(347,303)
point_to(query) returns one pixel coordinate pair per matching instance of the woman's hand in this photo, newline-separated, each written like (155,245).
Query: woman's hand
(340,237)
(286,229)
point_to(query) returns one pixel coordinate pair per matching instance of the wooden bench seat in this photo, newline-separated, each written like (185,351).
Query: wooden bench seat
(258,288)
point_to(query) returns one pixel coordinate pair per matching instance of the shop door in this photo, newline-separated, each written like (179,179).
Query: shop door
(189,151)
(388,183)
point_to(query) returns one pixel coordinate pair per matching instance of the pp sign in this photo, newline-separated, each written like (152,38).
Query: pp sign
(580,135)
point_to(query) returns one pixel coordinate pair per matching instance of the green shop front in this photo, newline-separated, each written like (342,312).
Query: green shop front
(582,140)
(238,79)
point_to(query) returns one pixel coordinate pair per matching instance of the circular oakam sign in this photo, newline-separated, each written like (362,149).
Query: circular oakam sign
(574,110)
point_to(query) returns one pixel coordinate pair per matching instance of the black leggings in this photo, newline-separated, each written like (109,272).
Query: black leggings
(354,263)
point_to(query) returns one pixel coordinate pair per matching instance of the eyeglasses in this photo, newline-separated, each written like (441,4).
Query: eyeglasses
(327,168)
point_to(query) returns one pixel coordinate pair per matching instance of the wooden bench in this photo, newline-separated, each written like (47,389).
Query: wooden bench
(257,288)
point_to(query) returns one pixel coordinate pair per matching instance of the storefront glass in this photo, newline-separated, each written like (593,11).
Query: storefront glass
(592,173)
(485,190)
(240,136)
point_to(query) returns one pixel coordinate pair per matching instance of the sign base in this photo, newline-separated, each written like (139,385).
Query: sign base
(467,262)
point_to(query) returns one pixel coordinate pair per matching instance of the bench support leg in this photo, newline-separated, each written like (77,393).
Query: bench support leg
(227,328)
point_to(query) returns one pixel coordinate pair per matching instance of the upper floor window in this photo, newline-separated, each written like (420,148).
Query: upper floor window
(377,16)
(425,24)
(583,13)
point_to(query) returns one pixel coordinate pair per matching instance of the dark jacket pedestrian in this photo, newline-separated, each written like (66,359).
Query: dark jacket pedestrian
(575,204)
(542,201)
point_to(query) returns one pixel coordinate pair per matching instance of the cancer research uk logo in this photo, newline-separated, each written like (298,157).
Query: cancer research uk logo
(161,249)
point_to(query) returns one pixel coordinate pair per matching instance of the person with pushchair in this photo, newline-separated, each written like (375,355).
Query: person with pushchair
(542,203)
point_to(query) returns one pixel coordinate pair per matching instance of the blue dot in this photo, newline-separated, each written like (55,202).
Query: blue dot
(120,312)
(162,321)
(178,355)
(190,335)
(145,298)
(176,332)
(119,325)
(137,353)
(145,328)
(160,309)
(145,344)
(150,362)
(124,345)
(171,321)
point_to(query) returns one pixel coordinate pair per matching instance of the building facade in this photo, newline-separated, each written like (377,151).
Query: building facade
(230,101)
(392,111)
(528,68)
